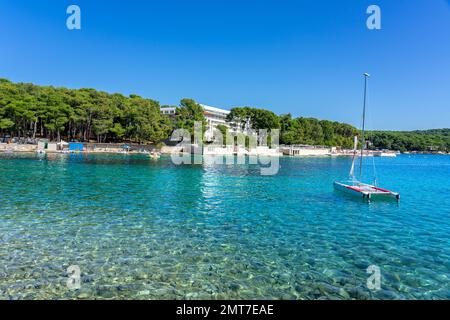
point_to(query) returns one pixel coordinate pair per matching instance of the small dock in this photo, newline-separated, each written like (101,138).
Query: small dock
(305,150)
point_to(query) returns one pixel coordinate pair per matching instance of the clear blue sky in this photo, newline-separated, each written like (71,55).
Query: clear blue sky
(303,57)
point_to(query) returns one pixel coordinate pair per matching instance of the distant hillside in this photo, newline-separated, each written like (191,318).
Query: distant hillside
(418,140)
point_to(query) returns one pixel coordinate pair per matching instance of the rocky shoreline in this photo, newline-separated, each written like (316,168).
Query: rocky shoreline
(116,149)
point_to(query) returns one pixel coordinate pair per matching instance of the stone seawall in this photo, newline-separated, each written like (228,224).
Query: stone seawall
(18,147)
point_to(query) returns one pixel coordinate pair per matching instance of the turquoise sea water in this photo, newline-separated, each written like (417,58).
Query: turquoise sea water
(144,229)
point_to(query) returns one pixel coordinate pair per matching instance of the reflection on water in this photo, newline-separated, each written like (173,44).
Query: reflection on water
(142,229)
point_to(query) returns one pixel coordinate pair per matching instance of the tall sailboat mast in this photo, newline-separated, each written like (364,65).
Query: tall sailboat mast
(363,141)
(357,186)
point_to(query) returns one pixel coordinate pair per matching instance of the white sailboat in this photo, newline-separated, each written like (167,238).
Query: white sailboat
(353,185)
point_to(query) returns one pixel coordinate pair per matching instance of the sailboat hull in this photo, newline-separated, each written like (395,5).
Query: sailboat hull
(355,187)
(365,190)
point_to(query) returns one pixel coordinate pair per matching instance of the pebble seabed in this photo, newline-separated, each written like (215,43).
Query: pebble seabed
(142,229)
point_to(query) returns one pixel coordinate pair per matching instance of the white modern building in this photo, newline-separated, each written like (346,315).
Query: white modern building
(170,111)
(214,116)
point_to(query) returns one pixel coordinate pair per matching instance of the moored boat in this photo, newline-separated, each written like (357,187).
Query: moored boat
(365,190)
(354,186)
(384,154)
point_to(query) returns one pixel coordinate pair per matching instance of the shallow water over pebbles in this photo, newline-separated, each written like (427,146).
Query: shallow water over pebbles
(143,229)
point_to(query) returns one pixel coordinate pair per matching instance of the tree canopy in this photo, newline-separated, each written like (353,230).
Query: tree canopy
(296,131)
(188,113)
(27,110)
(419,140)
(259,118)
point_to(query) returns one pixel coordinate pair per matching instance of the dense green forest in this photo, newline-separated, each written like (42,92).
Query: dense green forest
(426,140)
(31,111)
(297,130)
(27,110)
